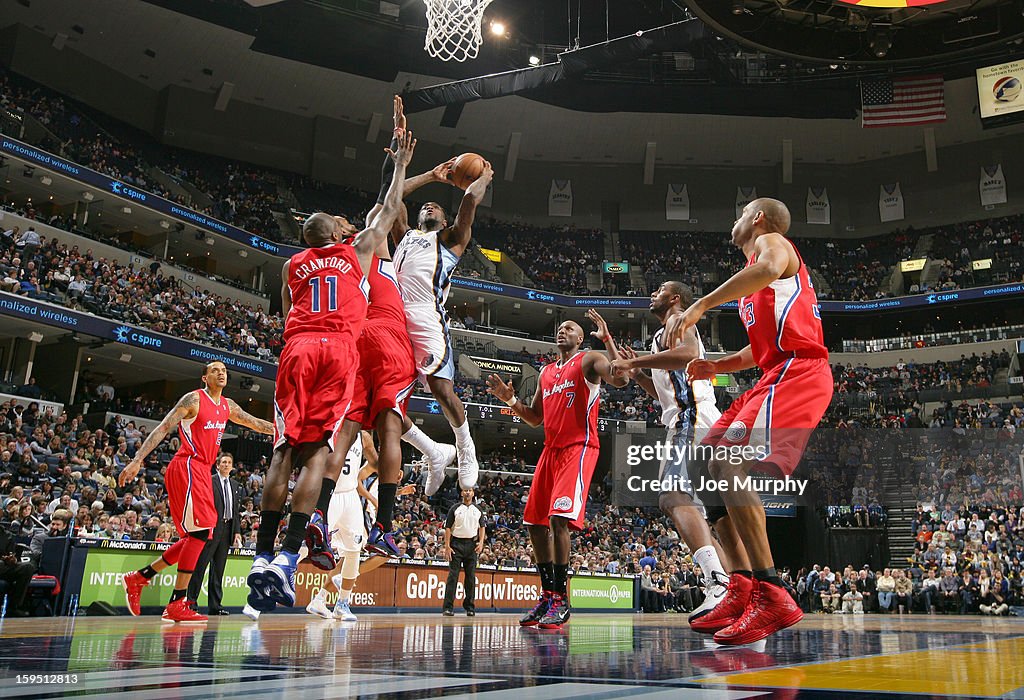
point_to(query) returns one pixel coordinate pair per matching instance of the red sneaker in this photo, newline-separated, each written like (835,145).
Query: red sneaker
(181,611)
(133,585)
(729,610)
(771,609)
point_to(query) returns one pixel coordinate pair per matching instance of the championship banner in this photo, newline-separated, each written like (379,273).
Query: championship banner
(744,196)
(677,203)
(992,185)
(560,198)
(819,211)
(890,203)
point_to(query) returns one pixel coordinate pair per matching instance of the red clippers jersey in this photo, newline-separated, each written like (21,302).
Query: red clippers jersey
(201,436)
(385,297)
(328,291)
(570,404)
(783,320)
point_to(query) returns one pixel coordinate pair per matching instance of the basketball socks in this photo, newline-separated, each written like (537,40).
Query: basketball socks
(463,440)
(547,575)
(769,575)
(326,491)
(266,536)
(744,572)
(561,578)
(708,561)
(296,533)
(344,595)
(147,572)
(421,441)
(386,508)
(178,594)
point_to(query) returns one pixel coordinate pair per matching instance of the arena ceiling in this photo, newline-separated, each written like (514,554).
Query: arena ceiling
(317,64)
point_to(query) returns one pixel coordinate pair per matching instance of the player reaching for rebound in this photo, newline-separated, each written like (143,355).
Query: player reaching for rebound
(425,259)
(200,417)
(324,300)
(566,402)
(688,411)
(382,386)
(778,306)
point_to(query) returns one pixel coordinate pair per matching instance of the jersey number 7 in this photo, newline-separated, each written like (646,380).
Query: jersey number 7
(572,397)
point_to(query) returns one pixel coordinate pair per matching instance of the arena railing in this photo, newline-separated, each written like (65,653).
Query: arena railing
(914,342)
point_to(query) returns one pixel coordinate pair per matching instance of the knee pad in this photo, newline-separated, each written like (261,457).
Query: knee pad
(350,566)
(194,544)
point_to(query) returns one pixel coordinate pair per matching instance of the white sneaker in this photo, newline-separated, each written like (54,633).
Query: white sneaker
(715,589)
(469,469)
(437,464)
(251,612)
(318,606)
(342,612)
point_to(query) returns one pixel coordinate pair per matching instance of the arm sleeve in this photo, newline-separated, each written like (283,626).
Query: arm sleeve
(387,173)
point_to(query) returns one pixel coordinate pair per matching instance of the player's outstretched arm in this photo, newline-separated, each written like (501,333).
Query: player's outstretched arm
(187,407)
(597,367)
(531,415)
(243,417)
(671,359)
(774,257)
(699,368)
(456,237)
(642,379)
(376,232)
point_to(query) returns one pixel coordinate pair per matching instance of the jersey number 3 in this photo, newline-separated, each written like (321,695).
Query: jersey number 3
(330,282)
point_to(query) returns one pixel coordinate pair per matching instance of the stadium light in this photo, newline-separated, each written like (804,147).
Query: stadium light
(534,60)
(498,28)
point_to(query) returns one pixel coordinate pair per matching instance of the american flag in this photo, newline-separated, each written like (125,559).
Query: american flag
(902,101)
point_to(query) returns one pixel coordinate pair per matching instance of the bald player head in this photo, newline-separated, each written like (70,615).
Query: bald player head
(763,215)
(320,229)
(569,337)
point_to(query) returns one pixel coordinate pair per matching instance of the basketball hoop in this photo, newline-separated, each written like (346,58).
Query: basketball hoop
(454,28)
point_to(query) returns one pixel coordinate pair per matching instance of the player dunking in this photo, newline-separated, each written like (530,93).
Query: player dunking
(324,299)
(688,411)
(566,402)
(200,417)
(776,417)
(385,380)
(425,259)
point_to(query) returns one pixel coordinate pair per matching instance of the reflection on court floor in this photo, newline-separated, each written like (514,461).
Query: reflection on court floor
(490,656)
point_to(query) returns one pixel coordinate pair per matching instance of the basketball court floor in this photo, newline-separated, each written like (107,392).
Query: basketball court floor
(490,656)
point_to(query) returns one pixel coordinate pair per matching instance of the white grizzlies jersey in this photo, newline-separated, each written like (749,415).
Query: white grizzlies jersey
(678,397)
(424,266)
(349,477)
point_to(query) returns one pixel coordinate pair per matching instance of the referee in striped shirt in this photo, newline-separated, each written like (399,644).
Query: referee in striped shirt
(463,541)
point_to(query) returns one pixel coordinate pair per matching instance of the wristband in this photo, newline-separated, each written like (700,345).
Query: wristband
(512,402)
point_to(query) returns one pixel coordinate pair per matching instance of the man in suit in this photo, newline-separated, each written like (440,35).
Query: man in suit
(227,497)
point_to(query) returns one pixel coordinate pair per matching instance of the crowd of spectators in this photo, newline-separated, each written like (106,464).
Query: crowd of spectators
(911,377)
(50,270)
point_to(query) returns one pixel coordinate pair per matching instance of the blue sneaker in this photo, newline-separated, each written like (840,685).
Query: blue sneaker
(258,597)
(280,578)
(318,543)
(382,543)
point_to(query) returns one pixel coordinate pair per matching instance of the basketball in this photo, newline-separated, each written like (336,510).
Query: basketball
(466,169)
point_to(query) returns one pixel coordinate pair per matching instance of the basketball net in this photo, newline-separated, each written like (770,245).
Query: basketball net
(454,28)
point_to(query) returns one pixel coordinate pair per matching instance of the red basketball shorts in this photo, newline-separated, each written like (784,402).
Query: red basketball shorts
(190,495)
(776,417)
(314,387)
(560,485)
(387,373)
